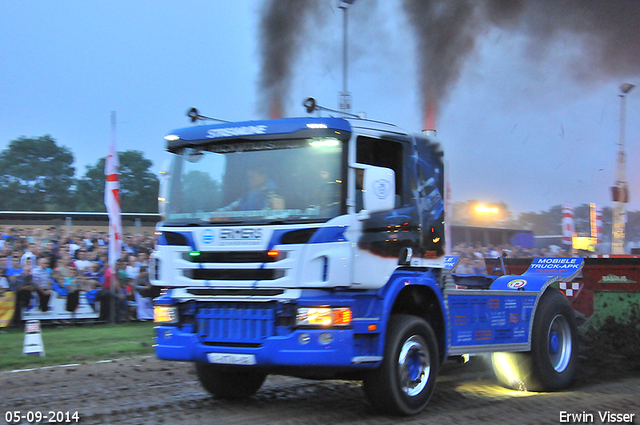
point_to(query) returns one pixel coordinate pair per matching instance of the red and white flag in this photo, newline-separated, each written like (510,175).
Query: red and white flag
(112,197)
(567,225)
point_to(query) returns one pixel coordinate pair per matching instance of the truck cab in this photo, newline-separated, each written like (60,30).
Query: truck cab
(312,247)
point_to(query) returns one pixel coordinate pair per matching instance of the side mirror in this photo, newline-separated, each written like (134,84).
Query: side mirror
(379,189)
(163,190)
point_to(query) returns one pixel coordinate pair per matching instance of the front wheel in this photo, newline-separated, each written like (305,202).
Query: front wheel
(553,359)
(405,381)
(229,384)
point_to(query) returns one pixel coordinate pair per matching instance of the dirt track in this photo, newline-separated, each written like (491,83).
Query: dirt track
(150,391)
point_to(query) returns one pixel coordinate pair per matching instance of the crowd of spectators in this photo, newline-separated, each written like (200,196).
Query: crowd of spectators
(472,258)
(46,261)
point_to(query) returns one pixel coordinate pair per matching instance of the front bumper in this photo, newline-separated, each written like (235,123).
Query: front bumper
(301,347)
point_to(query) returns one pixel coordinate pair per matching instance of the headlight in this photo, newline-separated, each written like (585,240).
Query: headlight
(165,314)
(323,316)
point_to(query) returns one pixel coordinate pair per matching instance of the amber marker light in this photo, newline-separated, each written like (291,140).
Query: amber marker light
(342,316)
(324,316)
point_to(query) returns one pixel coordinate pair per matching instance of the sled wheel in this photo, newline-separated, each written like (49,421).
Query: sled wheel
(405,381)
(552,361)
(230,384)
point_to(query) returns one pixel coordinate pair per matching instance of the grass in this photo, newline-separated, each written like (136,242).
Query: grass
(77,344)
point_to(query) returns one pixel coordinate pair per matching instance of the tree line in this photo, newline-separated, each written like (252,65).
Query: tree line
(37,174)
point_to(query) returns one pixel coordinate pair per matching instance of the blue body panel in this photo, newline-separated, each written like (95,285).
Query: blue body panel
(490,319)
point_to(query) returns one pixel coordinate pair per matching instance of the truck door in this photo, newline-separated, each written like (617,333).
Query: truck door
(379,237)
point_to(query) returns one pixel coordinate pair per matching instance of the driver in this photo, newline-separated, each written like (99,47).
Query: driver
(261,194)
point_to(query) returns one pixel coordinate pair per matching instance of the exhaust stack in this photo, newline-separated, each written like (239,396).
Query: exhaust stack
(431,133)
(429,121)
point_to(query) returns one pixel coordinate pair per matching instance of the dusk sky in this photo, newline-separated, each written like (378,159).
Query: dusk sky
(526,126)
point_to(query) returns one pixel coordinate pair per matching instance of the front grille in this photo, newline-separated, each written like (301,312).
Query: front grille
(234,257)
(236,323)
(254,292)
(234,274)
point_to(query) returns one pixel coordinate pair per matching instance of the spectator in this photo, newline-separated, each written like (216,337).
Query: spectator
(91,282)
(53,236)
(23,287)
(29,252)
(465,266)
(143,258)
(132,269)
(103,259)
(94,275)
(127,244)
(94,247)
(81,263)
(137,243)
(64,265)
(58,284)
(4,282)
(114,293)
(50,251)
(86,241)
(143,296)
(143,284)
(41,278)
(12,270)
(73,285)
(8,237)
(124,256)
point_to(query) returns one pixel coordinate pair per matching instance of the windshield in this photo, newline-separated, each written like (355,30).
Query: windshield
(257,181)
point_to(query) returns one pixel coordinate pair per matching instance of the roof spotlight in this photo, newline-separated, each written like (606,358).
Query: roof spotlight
(310,104)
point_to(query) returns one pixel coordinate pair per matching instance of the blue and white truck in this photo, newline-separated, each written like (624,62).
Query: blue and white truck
(314,247)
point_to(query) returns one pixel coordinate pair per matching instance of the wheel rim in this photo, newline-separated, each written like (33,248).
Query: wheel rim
(559,343)
(414,366)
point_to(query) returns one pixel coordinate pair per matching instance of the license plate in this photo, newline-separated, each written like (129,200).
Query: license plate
(224,358)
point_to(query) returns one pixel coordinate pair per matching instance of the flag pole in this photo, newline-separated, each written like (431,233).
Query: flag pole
(112,203)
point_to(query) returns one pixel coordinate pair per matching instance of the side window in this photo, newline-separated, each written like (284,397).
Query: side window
(383,153)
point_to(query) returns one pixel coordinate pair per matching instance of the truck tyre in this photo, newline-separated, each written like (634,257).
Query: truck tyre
(405,381)
(229,384)
(552,361)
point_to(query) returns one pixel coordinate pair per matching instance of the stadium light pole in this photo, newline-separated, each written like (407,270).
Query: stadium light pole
(620,191)
(345,97)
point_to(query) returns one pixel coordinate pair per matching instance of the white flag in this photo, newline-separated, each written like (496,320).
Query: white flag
(112,197)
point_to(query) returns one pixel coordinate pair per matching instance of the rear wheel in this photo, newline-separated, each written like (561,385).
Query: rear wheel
(227,383)
(552,361)
(406,379)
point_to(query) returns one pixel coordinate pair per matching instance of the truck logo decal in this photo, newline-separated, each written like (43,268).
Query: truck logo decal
(241,233)
(240,236)
(517,284)
(247,130)
(381,188)
(208,236)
